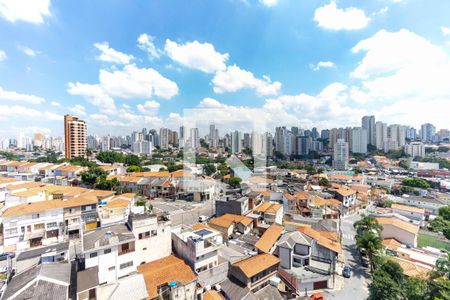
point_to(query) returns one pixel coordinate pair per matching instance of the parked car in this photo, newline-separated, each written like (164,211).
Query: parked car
(202,219)
(5,255)
(346,272)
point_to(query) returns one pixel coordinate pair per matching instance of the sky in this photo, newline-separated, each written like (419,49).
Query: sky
(125,65)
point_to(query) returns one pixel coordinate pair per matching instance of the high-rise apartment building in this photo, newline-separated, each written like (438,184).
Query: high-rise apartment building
(75,132)
(368,123)
(415,149)
(236,142)
(427,132)
(381,134)
(359,140)
(164,135)
(340,155)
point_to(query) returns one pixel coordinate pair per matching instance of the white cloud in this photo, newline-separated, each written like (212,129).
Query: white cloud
(146,44)
(2,55)
(234,78)
(55,103)
(196,55)
(333,18)
(94,94)
(134,82)
(109,54)
(322,64)
(149,107)
(14,96)
(78,110)
(445,30)
(21,114)
(28,51)
(403,72)
(269,3)
(32,11)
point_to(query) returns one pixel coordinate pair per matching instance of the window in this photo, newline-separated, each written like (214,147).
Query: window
(39,226)
(35,216)
(10,231)
(52,225)
(154,233)
(93,254)
(107,251)
(126,265)
(111,268)
(144,235)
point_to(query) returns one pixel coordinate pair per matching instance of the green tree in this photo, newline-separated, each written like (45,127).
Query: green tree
(91,176)
(416,182)
(235,182)
(133,169)
(438,224)
(106,184)
(132,160)
(444,212)
(370,241)
(324,182)
(367,223)
(383,287)
(209,169)
(442,267)
(416,288)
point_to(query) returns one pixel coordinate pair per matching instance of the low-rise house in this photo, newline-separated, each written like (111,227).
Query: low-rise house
(45,281)
(431,205)
(270,212)
(111,250)
(169,278)
(254,272)
(394,228)
(228,224)
(267,242)
(296,202)
(114,212)
(152,233)
(232,204)
(199,248)
(346,179)
(42,255)
(410,212)
(412,269)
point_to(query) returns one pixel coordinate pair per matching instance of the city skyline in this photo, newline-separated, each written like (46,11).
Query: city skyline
(372,59)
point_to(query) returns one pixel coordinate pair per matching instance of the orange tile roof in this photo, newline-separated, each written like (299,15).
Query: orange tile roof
(130,179)
(398,223)
(256,264)
(346,191)
(298,195)
(8,180)
(321,240)
(181,173)
(152,174)
(27,185)
(411,269)
(319,201)
(392,244)
(117,204)
(126,196)
(408,208)
(267,207)
(212,295)
(40,206)
(257,179)
(227,220)
(164,271)
(269,238)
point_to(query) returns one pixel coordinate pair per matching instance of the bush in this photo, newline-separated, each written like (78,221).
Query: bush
(416,182)
(132,169)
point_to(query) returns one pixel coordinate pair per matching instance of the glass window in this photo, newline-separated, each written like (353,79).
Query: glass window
(107,251)
(93,254)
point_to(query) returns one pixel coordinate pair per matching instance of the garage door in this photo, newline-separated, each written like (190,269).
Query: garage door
(320,285)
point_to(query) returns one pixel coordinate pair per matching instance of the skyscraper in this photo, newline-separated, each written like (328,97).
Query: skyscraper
(164,138)
(368,123)
(236,142)
(340,155)
(75,131)
(381,134)
(359,140)
(427,132)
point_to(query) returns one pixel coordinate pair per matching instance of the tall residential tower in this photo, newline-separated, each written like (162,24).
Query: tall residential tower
(75,131)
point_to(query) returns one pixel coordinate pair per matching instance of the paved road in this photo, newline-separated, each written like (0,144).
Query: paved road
(190,217)
(355,287)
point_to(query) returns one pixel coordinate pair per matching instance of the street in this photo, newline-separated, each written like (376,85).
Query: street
(354,287)
(182,212)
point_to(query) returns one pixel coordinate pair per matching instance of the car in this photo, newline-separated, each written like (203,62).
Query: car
(202,219)
(346,272)
(6,255)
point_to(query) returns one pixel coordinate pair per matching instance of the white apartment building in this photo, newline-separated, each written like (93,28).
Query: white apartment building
(153,238)
(359,140)
(415,149)
(340,155)
(111,250)
(198,247)
(381,134)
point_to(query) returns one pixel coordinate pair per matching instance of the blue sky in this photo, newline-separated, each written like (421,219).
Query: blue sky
(123,66)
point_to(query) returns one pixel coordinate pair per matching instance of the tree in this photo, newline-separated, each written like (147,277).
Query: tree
(132,159)
(446,232)
(438,224)
(367,223)
(404,164)
(107,184)
(370,241)
(91,176)
(324,182)
(383,287)
(442,267)
(209,169)
(235,182)
(416,288)
(385,203)
(444,212)
(416,182)
(132,169)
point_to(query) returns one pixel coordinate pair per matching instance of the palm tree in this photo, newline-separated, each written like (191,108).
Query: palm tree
(442,267)
(370,241)
(367,223)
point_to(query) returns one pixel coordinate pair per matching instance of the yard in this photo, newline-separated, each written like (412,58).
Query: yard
(432,241)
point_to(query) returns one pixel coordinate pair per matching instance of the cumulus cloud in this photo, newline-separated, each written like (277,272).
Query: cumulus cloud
(78,110)
(14,96)
(2,55)
(94,94)
(333,18)
(234,78)
(445,30)
(108,54)
(322,64)
(196,55)
(146,44)
(20,114)
(134,82)
(55,103)
(148,107)
(31,11)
